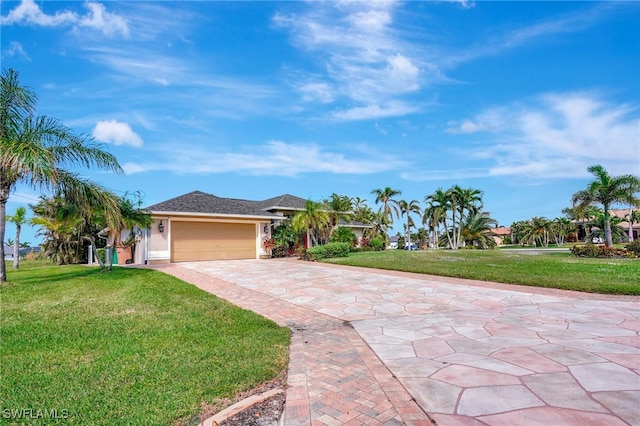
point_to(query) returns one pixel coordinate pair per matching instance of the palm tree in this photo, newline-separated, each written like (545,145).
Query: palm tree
(338,207)
(388,207)
(467,202)
(19,219)
(311,220)
(406,208)
(632,217)
(389,204)
(608,190)
(477,230)
(61,225)
(535,231)
(561,227)
(34,150)
(380,224)
(617,232)
(436,213)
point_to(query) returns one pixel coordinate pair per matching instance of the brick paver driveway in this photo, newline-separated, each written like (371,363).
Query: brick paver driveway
(466,352)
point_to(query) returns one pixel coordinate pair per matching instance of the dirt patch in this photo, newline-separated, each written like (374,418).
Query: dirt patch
(265,413)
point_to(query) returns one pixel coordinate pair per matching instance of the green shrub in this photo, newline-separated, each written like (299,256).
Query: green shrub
(325,252)
(598,251)
(634,247)
(376,244)
(344,235)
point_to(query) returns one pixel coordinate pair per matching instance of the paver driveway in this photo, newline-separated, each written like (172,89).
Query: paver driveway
(467,352)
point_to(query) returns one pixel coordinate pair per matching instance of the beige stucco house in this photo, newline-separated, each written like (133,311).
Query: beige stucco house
(199,226)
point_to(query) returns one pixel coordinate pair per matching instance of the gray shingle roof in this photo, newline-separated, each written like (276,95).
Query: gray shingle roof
(201,202)
(284,201)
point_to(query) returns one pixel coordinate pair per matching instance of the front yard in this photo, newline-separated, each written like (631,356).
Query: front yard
(131,346)
(554,269)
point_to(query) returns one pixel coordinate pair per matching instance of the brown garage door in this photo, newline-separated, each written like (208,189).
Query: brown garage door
(212,241)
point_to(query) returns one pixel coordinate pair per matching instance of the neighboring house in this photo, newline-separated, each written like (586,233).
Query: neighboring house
(8,252)
(393,242)
(499,234)
(200,226)
(623,214)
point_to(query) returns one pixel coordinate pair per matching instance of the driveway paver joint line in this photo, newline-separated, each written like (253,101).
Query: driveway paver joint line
(392,346)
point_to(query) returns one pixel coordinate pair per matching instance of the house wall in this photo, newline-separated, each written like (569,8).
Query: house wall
(157,243)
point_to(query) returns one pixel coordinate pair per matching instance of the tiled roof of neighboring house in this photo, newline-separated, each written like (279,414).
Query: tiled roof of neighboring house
(8,250)
(501,231)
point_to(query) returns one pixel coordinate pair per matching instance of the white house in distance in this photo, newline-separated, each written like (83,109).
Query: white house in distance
(199,226)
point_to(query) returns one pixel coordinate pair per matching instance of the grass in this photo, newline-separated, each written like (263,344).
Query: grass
(554,269)
(131,346)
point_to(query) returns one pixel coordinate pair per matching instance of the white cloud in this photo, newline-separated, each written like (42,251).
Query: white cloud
(316,92)
(490,120)
(362,57)
(545,30)
(559,135)
(373,111)
(431,175)
(117,133)
(15,49)
(465,4)
(274,158)
(29,12)
(97,18)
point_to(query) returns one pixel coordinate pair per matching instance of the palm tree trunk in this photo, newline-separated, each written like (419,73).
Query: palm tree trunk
(607,227)
(94,251)
(607,233)
(16,248)
(3,217)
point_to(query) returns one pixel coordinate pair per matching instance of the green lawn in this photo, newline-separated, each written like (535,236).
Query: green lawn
(130,346)
(555,269)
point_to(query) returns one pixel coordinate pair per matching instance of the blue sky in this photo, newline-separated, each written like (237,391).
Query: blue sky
(256,99)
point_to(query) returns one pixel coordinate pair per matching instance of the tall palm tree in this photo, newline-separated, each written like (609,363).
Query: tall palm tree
(466,202)
(311,220)
(607,190)
(406,208)
(438,205)
(389,203)
(35,149)
(19,219)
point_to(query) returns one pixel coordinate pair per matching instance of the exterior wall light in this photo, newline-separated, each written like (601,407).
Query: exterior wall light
(266,229)
(160,227)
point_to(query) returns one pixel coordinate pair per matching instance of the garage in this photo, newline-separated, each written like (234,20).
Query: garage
(193,241)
